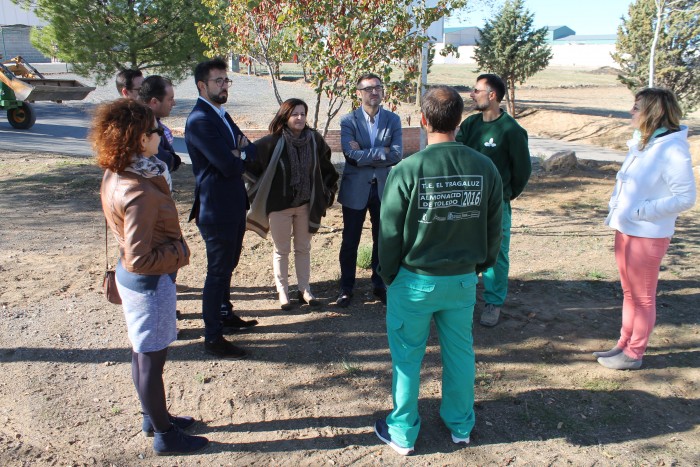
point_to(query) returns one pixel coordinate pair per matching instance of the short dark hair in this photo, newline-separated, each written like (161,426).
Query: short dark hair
(154,86)
(495,83)
(367,76)
(202,70)
(442,107)
(125,79)
(284,113)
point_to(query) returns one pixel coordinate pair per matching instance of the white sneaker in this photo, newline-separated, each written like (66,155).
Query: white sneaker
(460,440)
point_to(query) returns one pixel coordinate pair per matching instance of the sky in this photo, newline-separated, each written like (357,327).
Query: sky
(583,16)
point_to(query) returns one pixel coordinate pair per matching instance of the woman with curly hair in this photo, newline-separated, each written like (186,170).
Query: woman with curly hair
(297,183)
(654,185)
(141,213)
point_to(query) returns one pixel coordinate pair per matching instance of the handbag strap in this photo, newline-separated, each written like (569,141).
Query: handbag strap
(106,250)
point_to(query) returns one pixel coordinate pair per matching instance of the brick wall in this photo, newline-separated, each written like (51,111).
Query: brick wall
(411,139)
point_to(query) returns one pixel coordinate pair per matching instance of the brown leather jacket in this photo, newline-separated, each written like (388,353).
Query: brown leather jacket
(142,215)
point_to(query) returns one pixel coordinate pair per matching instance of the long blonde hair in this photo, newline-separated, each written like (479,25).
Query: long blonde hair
(658,107)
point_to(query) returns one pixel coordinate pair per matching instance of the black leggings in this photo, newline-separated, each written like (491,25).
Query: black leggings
(147,373)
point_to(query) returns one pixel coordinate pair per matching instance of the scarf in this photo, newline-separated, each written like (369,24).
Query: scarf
(299,152)
(637,136)
(149,167)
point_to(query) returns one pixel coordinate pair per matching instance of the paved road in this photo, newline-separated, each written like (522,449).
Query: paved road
(63,129)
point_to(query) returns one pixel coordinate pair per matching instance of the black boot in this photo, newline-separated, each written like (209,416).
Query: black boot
(174,441)
(182,423)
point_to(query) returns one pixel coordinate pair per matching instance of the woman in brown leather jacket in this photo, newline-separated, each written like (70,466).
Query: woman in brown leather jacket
(140,211)
(297,183)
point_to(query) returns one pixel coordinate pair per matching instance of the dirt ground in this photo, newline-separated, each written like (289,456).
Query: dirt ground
(316,380)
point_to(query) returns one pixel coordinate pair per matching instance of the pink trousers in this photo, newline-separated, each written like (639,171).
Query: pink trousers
(638,260)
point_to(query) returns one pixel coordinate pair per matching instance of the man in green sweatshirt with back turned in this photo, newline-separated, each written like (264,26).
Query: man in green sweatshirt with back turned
(441,225)
(498,136)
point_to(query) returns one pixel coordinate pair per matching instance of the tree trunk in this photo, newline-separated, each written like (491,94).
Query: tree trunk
(331,113)
(660,6)
(318,105)
(271,71)
(510,97)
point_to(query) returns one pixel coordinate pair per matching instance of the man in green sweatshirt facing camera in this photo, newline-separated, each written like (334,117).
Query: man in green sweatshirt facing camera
(498,136)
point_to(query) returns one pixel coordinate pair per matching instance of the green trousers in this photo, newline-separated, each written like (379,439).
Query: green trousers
(413,300)
(496,277)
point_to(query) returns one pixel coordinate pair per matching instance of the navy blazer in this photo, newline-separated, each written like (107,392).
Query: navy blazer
(166,152)
(361,165)
(219,194)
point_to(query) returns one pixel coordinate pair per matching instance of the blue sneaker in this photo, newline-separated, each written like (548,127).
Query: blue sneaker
(382,431)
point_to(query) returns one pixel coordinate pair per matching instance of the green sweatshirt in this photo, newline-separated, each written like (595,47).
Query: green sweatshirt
(504,141)
(441,213)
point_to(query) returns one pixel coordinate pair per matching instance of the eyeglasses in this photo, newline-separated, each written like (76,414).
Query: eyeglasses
(135,89)
(371,89)
(220,81)
(158,131)
(477,91)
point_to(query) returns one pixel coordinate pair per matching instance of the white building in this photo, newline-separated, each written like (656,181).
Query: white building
(568,48)
(15,25)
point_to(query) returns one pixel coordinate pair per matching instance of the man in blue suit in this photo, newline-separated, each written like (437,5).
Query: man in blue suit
(371,141)
(218,149)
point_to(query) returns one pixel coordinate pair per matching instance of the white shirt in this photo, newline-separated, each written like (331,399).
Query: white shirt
(372,128)
(222,113)
(653,186)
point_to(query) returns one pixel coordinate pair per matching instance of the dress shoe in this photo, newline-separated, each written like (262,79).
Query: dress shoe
(182,423)
(236,324)
(308,298)
(343,299)
(174,441)
(284,301)
(222,348)
(380,293)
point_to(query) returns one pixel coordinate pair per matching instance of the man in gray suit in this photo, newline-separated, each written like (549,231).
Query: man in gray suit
(371,140)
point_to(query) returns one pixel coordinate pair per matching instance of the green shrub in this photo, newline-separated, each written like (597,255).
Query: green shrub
(364,256)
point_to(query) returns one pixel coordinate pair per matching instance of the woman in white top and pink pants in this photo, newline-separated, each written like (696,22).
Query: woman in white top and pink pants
(654,184)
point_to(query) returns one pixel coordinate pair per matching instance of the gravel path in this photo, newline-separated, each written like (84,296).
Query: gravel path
(251,99)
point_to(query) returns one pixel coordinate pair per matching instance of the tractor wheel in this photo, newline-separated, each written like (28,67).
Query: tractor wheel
(22,117)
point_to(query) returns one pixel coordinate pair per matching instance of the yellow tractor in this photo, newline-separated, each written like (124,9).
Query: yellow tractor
(21,84)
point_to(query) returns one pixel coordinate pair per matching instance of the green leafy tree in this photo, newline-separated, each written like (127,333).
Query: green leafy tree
(659,45)
(99,37)
(335,40)
(511,48)
(342,39)
(255,29)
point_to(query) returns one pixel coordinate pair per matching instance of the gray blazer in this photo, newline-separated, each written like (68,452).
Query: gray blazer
(361,165)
